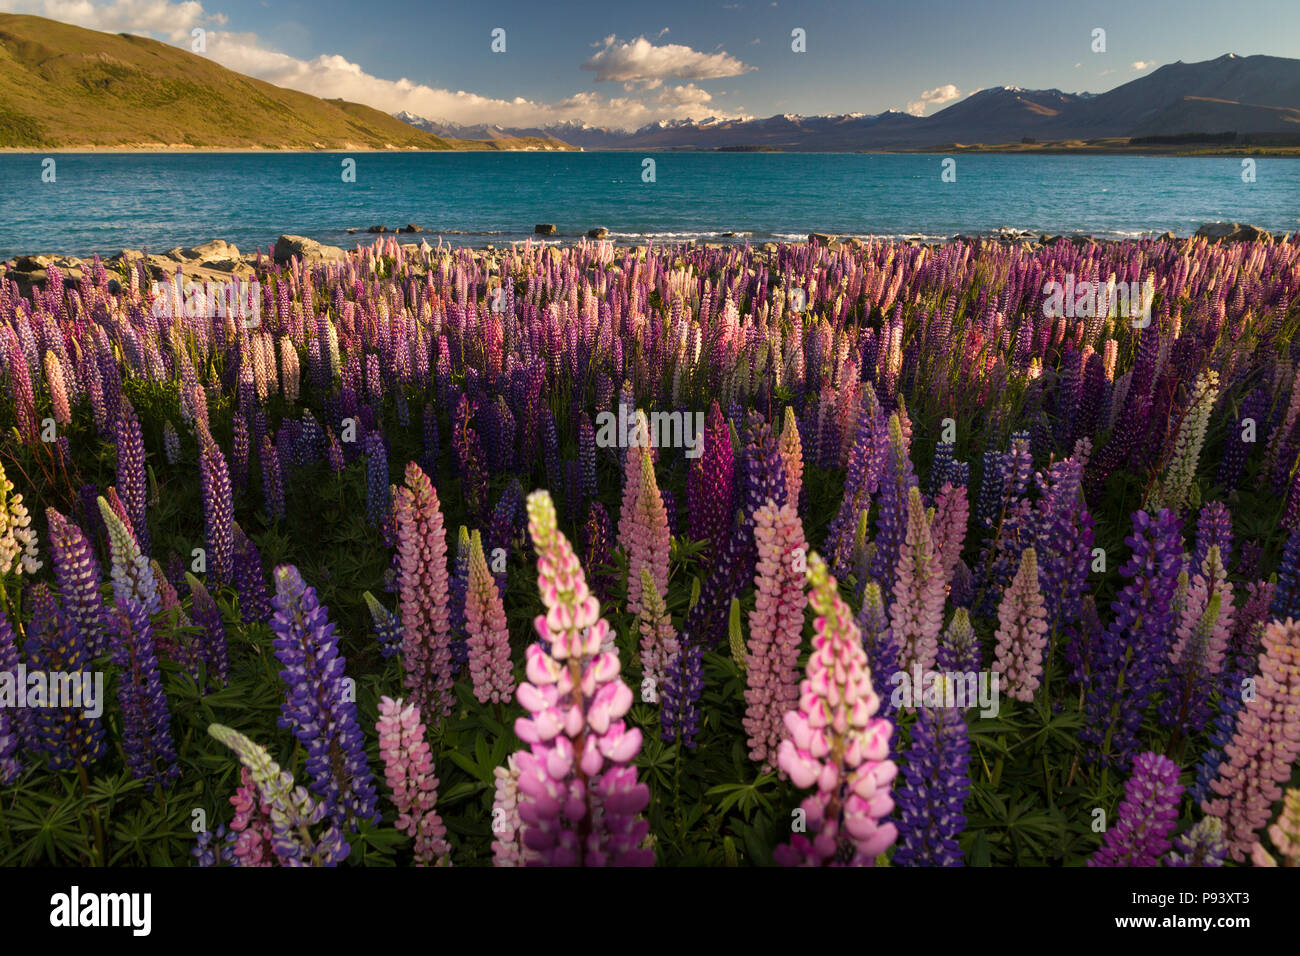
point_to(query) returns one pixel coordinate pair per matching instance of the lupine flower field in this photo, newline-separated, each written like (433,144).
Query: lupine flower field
(837,555)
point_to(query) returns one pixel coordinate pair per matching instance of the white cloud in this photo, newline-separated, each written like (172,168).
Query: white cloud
(640,60)
(1141,64)
(940,94)
(333,76)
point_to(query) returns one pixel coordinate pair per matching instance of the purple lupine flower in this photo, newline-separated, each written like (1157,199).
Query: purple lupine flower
(932,796)
(430,440)
(587,455)
(239,453)
(68,734)
(457,592)
(682,686)
(77,573)
(146,721)
(1286,596)
(1202,845)
(1213,529)
(218,512)
(377,501)
(131,481)
(896,483)
(213,648)
(318,707)
(710,485)
(272,481)
(1124,667)
(1247,431)
(597,548)
(249,579)
(10,732)
(470,459)
(388,627)
(1146,817)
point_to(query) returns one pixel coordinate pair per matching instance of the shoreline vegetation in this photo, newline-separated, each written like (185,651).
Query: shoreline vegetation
(220,261)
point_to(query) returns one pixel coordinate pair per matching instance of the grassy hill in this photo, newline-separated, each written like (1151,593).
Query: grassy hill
(62,86)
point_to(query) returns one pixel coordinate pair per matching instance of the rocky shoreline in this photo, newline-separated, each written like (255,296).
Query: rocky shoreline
(220,261)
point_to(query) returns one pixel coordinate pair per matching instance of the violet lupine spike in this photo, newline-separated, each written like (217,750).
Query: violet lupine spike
(878,643)
(423,583)
(78,576)
(318,707)
(1202,845)
(775,629)
(837,744)
(408,770)
(488,637)
(959,649)
(146,721)
(916,611)
(69,734)
(131,480)
(11,736)
(1124,667)
(1146,817)
(249,579)
(377,503)
(1204,629)
(931,795)
(892,520)
(272,481)
(580,801)
(1022,632)
(1265,745)
(597,548)
(214,649)
(388,626)
(218,513)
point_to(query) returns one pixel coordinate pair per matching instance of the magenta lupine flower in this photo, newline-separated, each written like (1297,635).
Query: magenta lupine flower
(775,629)
(1147,816)
(408,770)
(20,388)
(423,590)
(488,636)
(710,485)
(580,801)
(252,826)
(837,744)
(646,538)
(1263,749)
(916,612)
(218,511)
(1022,632)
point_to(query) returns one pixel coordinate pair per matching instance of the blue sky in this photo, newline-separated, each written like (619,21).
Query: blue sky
(627,63)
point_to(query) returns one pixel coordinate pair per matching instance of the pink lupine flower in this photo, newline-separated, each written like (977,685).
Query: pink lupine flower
(489,638)
(1265,744)
(508,848)
(254,844)
(1022,632)
(916,613)
(408,770)
(837,744)
(658,636)
(579,798)
(423,593)
(775,629)
(58,389)
(948,528)
(646,538)
(792,455)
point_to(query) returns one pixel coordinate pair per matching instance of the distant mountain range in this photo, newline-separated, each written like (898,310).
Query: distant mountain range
(64,86)
(1257,96)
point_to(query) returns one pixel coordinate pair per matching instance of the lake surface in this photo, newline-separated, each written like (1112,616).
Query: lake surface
(107,202)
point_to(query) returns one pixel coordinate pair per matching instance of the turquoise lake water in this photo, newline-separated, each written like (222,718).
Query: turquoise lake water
(106,202)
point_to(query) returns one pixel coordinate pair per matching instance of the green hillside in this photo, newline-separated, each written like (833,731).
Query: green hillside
(63,86)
